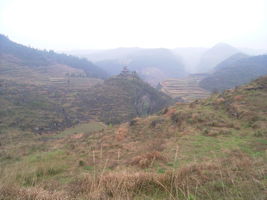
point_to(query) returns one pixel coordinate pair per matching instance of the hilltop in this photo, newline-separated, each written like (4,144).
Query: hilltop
(207,149)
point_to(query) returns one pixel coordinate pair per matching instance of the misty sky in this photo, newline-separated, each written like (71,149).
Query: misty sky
(90,24)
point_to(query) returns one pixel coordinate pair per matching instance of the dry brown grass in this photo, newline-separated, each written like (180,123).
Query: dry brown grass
(219,100)
(12,192)
(209,179)
(121,132)
(147,159)
(238,97)
(237,170)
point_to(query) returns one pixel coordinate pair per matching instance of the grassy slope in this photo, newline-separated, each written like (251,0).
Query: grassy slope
(208,149)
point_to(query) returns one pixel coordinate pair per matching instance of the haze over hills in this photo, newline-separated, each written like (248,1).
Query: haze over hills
(156,65)
(153,65)
(170,68)
(234,71)
(190,57)
(97,55)
(228,62)
(214,56)
(253,52)
(193,59)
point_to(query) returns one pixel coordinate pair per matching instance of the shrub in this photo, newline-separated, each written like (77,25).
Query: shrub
(260,133)
(81,163)
(133,122)
(154,123)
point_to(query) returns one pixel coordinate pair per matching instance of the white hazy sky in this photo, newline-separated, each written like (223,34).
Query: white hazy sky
(90,24)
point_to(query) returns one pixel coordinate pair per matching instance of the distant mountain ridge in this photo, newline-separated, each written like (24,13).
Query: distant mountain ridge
(153,65)
(156,65)
(230,61)
(193,59)
(214,56)
(234,71)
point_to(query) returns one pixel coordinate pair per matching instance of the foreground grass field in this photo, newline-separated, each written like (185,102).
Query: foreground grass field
(208,149)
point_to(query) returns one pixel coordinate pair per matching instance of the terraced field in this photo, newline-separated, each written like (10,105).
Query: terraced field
(185,88)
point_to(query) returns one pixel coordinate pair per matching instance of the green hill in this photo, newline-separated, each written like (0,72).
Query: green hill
(122,98)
